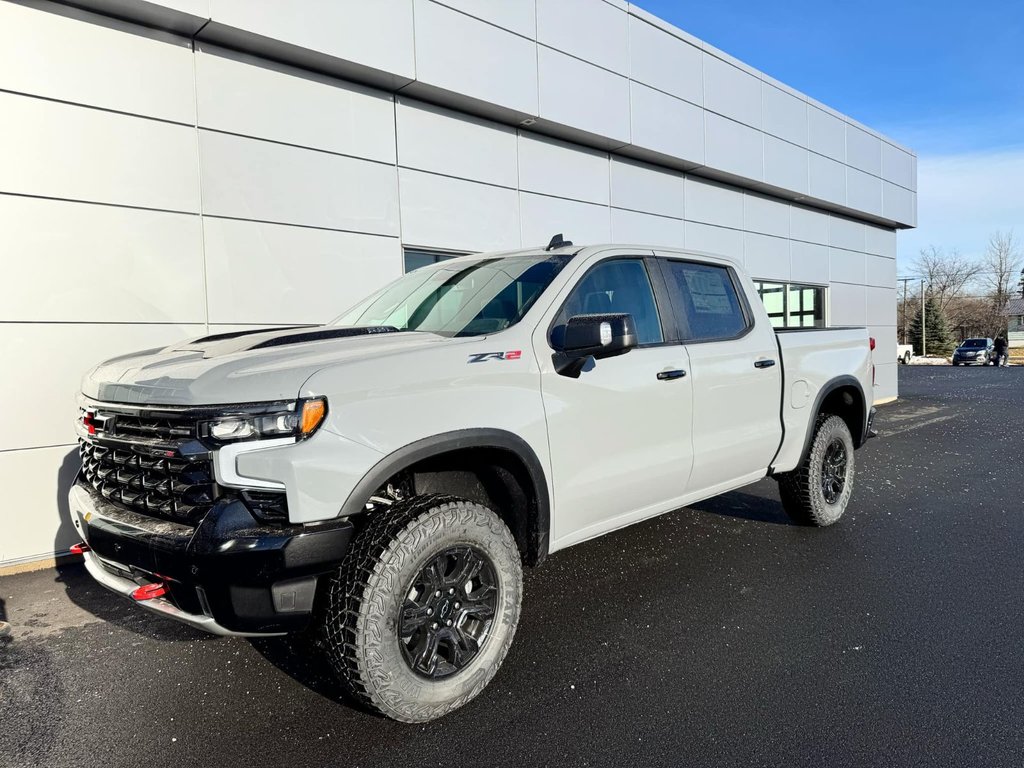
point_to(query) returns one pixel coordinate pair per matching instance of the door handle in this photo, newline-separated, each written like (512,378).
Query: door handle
(764,363)
(676,373)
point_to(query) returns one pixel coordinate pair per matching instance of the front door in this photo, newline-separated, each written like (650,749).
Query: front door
(619,434)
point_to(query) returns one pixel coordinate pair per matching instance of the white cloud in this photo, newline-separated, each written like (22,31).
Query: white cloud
(963,198)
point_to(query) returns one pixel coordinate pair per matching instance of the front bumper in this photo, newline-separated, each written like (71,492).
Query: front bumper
(229,575)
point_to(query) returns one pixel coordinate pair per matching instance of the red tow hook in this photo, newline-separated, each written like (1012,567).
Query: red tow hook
(150,591)
(80,548)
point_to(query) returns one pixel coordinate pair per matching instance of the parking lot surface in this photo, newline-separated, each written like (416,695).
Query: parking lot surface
(714,635)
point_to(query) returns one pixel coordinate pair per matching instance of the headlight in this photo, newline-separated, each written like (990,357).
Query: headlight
(299,420)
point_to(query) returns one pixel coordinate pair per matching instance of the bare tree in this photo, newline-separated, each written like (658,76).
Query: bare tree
(947,275)
(1001,268)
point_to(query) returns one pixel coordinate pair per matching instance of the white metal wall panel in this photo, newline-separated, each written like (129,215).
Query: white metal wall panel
(712,203)
(592,30)
(665,124)
(252,179)
(265,102)
(646,228)
(642,187)
(51,55)
(567,87)
(766,256)
(519,16)
(785,165)
(863,191)
(863,151)
(470,57)
(846,266)
(376,34)
(826,134)
(147,264)
(441,212)
(278,274)
(898,166)
(437,140)
(731,91)
(665,62)
(765,215)
(808,262)
(808,224)
(544,217)
(555,168)
(784,114)
(714,239)
(847,305)
(827,179)
(60,150)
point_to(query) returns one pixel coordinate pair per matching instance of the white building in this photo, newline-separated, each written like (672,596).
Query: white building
(176,167)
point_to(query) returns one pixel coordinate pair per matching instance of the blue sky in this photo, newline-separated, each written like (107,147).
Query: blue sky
(945,79)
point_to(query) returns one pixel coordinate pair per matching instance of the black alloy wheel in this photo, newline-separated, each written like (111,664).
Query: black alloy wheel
(833,471)
(447,613)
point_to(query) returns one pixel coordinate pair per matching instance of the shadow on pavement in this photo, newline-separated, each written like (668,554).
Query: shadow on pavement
(745,506)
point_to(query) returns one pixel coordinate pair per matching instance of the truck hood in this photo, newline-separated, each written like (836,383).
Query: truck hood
(242,367)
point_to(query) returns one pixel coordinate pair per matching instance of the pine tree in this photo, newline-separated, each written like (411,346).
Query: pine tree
(940,342)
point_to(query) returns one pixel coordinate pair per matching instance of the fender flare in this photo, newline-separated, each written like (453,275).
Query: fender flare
(831,386)
(540,522)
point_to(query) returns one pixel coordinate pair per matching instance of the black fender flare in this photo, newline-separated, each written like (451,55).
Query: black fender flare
(407,456)
(831,386)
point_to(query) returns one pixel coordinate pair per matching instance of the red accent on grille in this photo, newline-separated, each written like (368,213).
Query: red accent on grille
(149,591)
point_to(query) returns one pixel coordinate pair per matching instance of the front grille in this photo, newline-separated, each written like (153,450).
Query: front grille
(148,460)
(171,487)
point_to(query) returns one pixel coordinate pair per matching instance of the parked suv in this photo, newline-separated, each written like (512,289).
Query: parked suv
(973,351)
(380,481)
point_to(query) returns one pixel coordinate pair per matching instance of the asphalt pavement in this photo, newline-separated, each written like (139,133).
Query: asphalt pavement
(716,635)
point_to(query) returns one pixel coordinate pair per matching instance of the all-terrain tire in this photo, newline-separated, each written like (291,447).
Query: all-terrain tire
(802,490)
(361,612)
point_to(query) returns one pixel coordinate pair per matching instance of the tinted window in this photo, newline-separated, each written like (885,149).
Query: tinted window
(706,299)
(621,285)
(976,343)
(416,258)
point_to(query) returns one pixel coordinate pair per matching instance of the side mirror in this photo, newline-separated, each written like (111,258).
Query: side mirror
(596,336)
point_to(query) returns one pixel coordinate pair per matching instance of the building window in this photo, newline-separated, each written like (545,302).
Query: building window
(419,257)
(791,305)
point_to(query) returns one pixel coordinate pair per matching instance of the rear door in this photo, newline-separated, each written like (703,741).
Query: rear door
(735,373)
(619,434)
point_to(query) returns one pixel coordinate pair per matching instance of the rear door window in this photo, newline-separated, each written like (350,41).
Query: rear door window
(707,305)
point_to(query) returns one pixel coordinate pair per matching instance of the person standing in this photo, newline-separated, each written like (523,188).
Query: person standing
(1000,350)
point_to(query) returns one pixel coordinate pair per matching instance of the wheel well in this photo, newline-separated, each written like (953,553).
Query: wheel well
(848,403)
(494,477)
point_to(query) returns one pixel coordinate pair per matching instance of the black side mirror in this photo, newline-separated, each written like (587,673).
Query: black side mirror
(596,336)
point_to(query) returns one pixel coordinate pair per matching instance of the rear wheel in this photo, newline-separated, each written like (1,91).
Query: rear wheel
(423,609)
(817,492)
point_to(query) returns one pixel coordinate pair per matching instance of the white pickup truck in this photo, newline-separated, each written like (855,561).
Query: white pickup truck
(380,481)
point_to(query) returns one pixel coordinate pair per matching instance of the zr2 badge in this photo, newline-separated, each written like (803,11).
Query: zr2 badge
(481,357)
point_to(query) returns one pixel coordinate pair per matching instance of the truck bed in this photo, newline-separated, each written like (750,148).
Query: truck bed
(812,358)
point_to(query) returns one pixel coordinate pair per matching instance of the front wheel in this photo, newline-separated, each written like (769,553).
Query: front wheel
(423,610)
(906,359)
(817,492)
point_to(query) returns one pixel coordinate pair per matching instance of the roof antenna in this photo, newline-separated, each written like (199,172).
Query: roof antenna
(557,242)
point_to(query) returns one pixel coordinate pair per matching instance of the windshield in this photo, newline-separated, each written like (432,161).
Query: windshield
(975,343)
(460,298)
